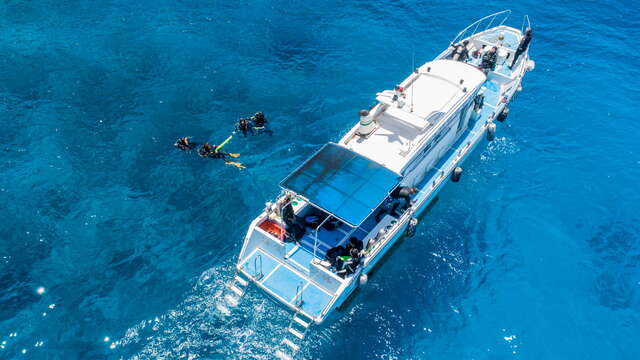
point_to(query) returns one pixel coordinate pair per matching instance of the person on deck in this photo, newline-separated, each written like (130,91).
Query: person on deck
(399,194)
(460,51)
(522,47)
(489,59)
(333,255)
(403,193)
(355,243)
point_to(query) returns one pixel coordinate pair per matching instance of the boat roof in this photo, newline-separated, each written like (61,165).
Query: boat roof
(432,94)
(342,183)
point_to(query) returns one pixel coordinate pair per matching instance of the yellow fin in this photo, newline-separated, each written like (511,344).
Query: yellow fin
(236,164)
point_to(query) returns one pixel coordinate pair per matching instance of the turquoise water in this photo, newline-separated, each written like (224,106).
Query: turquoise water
(115,245)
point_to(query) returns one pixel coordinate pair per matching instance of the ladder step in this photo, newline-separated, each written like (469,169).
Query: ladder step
(241,281)
(232,300)
(236,290)
(301,322)
(291,344)
(282,356)
(296,333)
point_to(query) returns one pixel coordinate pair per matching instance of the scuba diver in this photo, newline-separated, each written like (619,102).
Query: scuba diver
(333,255)
(213,151)
(244,126)
(522,47)
(460,52)
(184,144)
(259,120)
(205,150)
(401,194)
(355,243)
(259,123)
(489,59)
(348,264)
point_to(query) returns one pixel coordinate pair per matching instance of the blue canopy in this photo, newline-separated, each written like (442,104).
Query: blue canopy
(343,183)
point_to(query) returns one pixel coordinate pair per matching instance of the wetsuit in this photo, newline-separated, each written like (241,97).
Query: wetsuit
(206,150)
(399,194)
(260,124)
(259,121)
(522,47)
(355,243)
(489,60)
(288,214)
(402,192)
(352,264)
(333,254)
(460,53)
(244,127)
(184,145)
(217,155)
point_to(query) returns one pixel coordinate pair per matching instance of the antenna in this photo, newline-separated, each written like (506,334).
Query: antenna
(413,69)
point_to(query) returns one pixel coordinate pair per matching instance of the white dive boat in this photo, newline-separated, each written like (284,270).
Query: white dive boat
(417,135)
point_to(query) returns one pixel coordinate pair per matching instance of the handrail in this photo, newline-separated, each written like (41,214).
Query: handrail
(461,34)
(525,20)
(299,290)
(315,243)
(255,267)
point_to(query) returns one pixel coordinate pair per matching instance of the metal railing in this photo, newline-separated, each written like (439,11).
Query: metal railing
(257,273)
(315,243)
(298,299)
(488,20)
(526,23)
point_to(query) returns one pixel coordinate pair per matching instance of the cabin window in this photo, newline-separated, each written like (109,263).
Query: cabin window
(463,117)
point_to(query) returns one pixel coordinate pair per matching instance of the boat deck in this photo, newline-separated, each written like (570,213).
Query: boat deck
(285,282)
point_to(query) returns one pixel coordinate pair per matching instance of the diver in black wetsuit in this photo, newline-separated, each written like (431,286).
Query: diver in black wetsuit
(205,150)
(259,123)
(259,120)
(355,243)
(460,52)
(489,59)
(400,194)
(333,255)
(244,126)
(213,151)
(184,144)
(522,47)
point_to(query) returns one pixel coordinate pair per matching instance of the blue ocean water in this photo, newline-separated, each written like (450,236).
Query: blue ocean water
(115,245)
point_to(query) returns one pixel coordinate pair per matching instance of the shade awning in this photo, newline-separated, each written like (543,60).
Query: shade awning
(343,183)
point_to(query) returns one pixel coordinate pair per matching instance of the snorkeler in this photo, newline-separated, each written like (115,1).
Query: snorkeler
(184,144)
